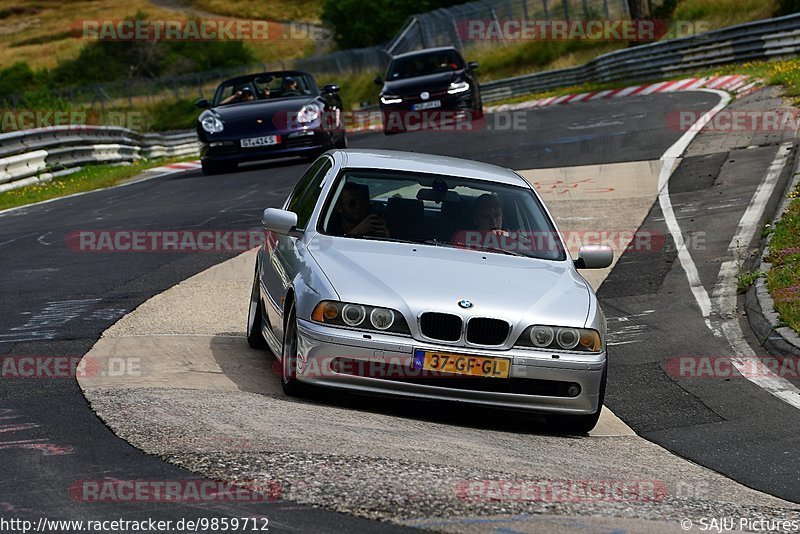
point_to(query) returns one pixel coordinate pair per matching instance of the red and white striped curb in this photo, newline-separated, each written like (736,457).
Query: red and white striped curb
(738,84)
(177,167)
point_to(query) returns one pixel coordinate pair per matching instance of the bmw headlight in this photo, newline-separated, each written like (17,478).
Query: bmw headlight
(561,338)
(308,114)
(210,122)
(359,316)
(390,99)
(458,87)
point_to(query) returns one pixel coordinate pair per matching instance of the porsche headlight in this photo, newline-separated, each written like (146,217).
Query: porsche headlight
(363,317)
(561,338)
(458,87)
(210,122)
(390,99)
(308,114)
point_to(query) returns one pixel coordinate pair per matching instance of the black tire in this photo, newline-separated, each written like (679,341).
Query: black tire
(291,386)
(579,424)
(342,142)
(210,167)
(255,317)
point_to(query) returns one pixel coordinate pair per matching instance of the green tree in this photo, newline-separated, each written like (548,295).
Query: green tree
(363,23)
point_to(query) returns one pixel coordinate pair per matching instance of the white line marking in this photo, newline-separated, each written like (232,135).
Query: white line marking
(745,360)
(724,295)
(668,162)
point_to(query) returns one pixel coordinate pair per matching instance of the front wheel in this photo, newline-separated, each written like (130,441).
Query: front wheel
(291,386)
(579,424)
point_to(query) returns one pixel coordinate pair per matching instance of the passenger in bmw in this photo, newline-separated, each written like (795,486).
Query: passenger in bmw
(351,214)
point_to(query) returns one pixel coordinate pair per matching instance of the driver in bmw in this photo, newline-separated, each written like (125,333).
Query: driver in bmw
(353,218)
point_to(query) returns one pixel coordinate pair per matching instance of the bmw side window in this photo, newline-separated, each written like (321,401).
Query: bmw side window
(302,185)
(307,193)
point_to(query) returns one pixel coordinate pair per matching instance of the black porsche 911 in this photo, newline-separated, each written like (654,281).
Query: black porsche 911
(268,115)
(428,86)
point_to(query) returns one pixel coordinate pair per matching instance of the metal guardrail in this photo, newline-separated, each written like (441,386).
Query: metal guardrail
(765,39)
(36,156)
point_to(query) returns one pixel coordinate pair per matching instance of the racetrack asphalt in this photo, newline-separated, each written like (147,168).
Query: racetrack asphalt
(58,301)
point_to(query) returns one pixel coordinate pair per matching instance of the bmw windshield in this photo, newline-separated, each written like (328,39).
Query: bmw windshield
(440,210)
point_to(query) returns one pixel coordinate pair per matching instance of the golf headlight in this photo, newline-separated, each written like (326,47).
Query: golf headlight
(359,316)
(308,114)
(210,122)
(390,99)
(458,87)
(561,338)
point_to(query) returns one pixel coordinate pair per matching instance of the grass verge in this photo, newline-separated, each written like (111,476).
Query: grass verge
(783,279)
(89,178)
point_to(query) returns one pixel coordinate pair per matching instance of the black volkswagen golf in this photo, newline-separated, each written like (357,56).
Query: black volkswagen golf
(428,88)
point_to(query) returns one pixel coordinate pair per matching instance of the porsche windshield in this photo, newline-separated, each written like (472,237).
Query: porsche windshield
(267,86)
(441,211)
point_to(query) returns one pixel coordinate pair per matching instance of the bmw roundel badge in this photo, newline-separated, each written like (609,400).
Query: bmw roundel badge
(465,304)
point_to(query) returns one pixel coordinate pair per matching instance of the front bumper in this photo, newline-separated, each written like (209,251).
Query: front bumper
(293,143)
(321,349)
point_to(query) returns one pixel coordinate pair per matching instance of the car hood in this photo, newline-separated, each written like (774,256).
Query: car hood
(269,112)
(415,278)
(431,83)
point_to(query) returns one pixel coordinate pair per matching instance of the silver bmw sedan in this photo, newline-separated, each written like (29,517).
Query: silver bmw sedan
(413,275)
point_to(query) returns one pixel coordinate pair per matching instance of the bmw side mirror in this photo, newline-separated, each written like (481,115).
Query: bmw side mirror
(203,104)
(330,89)
(472,65)
(594,257)
(281,222)
(378,81)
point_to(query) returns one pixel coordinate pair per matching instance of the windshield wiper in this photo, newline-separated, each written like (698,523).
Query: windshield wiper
(474,247)
(435,243)
(380,238)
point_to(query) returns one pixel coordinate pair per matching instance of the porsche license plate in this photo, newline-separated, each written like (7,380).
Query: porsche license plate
(427,105)
(462,364)
(261,141)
